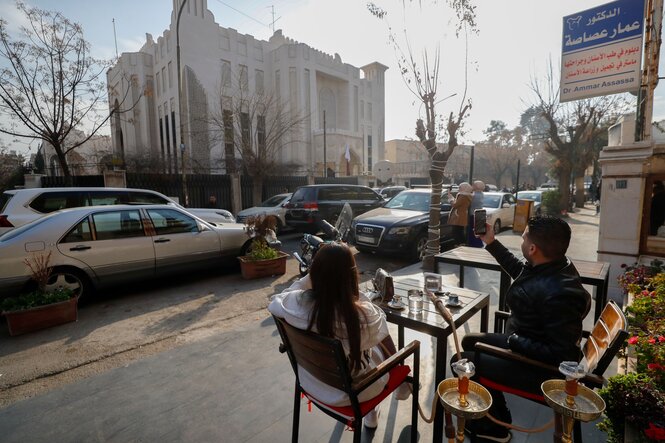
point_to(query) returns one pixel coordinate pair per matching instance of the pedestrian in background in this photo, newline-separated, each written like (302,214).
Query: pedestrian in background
(459,218)
(212,202)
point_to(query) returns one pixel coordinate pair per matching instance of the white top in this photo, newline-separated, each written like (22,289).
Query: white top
(295,304)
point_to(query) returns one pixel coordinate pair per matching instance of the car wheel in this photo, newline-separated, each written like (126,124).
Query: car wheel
(364,250)
(71,279)
(538,212)
(419,247)
(278,226)
(497,226)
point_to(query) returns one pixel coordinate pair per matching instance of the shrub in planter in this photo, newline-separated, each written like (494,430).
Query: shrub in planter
(262,259)
(41,308)
(633,399)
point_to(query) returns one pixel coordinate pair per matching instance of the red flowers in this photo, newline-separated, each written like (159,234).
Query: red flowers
(633,340)
(655,433)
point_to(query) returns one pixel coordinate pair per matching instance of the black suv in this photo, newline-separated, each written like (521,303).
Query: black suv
(314,202)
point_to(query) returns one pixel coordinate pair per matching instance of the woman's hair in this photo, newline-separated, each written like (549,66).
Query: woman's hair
(335,291)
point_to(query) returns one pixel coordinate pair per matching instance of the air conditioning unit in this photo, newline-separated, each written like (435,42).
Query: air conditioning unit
(623,132)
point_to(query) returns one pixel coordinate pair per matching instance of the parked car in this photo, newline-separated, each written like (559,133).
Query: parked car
(100,246)
(536,196)
(275,205)
(500,208)
(390,191)
(400,226)
(20,206)
(312,203)
(547,186)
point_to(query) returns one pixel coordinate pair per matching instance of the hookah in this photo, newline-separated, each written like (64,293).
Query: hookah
(459,396)
(468,400)
(570,400)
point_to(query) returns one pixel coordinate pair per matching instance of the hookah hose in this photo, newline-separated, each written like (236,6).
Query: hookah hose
(438,304)
(430,419)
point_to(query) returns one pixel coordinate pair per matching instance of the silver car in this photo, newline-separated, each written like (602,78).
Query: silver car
(21,206)
(273,206)
(99,246)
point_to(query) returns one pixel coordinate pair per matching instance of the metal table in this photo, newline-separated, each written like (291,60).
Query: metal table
(431,323)
(592,273)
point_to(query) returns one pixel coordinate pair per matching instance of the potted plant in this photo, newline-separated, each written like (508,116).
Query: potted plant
(40,308)
(263,259)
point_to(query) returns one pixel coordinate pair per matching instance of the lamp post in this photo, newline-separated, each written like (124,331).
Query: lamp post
(183,149)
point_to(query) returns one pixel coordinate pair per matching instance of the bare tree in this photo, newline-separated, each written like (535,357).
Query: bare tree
(50,85)
(572,129)
(422,80)
(254,128)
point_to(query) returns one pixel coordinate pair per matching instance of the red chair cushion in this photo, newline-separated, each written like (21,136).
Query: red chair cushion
(397,376)
(510,390)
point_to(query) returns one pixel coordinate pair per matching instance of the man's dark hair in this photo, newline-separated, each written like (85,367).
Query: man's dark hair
(550,234)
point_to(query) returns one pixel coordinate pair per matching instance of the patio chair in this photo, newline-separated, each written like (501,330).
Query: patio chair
(601,346)
(325,359)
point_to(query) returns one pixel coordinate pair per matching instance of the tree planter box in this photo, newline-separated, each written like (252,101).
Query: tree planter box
(263,268)
(21,322)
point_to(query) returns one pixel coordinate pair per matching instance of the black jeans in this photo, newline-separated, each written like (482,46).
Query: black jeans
(504,372)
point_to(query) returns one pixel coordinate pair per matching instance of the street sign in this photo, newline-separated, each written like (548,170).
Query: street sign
(602,50)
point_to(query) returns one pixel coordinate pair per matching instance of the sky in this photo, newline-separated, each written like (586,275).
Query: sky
(516,40)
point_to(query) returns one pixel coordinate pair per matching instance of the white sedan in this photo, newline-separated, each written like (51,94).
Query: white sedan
(273,206)
(98,246)
(500,208)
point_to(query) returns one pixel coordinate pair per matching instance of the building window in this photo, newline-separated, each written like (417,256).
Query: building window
(243,80)
(242,46)
(170,72)
(369,153)
(278,90)
(175,142)
(261,133)
(355,108)
(258,78)
(226,74)
(229,149)
(163,79)
(362,109)
(159,83)
(244,131)
(369,111)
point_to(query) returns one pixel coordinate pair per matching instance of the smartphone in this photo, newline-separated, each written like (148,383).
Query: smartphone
(480,222)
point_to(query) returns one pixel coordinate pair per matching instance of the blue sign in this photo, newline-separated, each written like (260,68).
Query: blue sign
(602,25)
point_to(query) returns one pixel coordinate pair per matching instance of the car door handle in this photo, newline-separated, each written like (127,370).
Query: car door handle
(80,248)
(162,240)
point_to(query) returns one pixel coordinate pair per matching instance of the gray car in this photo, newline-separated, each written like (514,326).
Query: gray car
(99,246)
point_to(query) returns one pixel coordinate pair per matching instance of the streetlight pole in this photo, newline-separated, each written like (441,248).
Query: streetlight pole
(183,151)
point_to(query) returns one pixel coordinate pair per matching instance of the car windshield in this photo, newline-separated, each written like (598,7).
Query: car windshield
(272,201)
(491,201)
(413,201)
(529,195)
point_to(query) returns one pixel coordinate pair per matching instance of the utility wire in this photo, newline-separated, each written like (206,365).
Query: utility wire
(246,15)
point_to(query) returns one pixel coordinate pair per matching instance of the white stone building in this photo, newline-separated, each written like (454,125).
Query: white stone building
(218,66)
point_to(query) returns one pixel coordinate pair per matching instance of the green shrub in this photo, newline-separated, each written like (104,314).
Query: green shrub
(632,398)
(35,299)
(551,202)
(261,251)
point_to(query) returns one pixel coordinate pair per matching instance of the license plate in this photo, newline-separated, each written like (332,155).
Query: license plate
(365,239)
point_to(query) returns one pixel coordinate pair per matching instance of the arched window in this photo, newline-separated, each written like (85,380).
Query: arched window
(327,103)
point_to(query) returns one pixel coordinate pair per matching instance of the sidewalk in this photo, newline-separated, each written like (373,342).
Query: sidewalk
(235,386)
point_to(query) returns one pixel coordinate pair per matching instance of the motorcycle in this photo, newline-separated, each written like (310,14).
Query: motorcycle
(310,243)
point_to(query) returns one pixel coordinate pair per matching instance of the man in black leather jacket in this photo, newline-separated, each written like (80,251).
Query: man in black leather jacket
(547,307)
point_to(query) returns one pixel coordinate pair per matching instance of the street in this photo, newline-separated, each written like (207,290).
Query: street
(123,324)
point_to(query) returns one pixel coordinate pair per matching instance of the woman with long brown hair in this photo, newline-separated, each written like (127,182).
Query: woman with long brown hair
(328,301)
